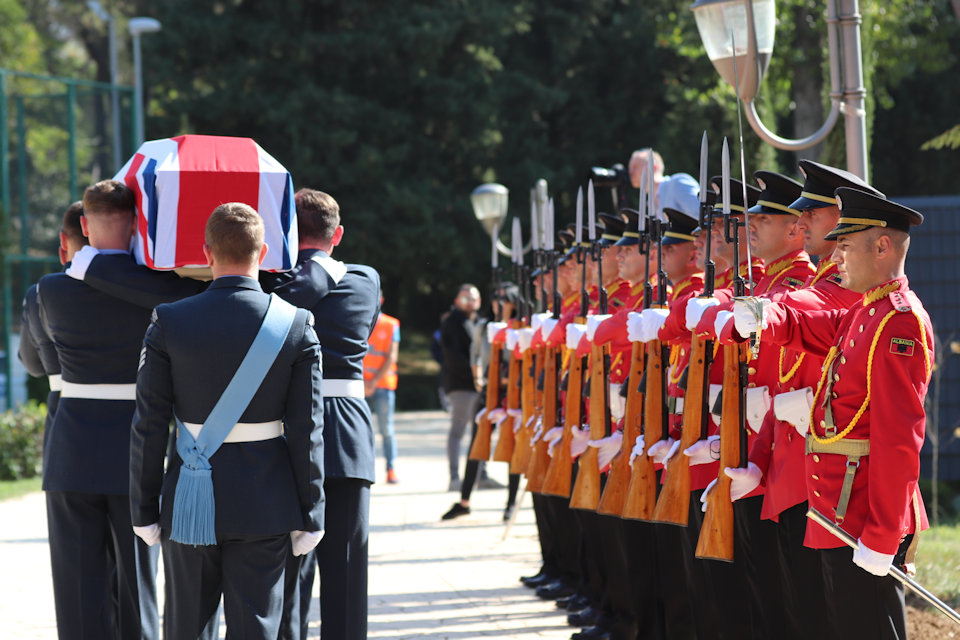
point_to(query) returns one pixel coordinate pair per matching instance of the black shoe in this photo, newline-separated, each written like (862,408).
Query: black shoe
(554,590)
(535,581)
(587,617)
(564,603)
(456,511)
(578,604)
(591,633)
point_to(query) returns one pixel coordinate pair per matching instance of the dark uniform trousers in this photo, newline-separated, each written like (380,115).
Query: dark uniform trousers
(802,578)
(860,604)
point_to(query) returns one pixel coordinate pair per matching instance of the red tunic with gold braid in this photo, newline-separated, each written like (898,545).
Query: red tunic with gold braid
(778,449)
(878,360)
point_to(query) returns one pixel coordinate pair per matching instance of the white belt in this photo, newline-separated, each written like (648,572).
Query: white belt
(245,431)
(56,382)
(98,391)
(342,388)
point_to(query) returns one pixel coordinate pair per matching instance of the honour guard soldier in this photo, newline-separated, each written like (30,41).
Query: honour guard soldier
(862,469)
(344,299)
(98,339)
(246,482)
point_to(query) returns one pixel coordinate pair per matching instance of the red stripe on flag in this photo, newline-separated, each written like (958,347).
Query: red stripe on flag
(213,170)
(130,179)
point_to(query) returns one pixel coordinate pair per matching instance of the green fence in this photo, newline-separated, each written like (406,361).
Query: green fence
(56,137)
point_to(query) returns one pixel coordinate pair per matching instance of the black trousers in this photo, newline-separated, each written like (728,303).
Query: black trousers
(341,557)
(548,550)
(643,580)
(757,558)
(801,573)
(860,604)
(246,570)
(90,536)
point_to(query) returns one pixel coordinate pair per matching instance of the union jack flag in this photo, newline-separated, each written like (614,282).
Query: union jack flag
(178,182)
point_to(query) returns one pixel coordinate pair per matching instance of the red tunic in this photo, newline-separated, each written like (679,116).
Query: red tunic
(880,353)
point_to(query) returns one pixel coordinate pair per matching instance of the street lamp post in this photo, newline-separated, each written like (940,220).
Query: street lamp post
(138,26)
(752,23)
(114,95)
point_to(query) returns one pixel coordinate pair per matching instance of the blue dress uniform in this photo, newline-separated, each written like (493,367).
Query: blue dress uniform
(39,355)
(263,489)
(345,301)
(85,474)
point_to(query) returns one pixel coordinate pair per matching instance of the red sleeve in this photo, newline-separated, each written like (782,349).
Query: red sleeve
(898,387)
(809,331)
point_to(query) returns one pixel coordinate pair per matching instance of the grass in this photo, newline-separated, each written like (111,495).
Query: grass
(938,562)
(415,358)
(15,488)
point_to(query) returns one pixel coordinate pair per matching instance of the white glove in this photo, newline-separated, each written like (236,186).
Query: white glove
(304,541)
(578,444)
(81,261)
(701,452)
(745,315)
(517,416)
(547,327)
(493,328)
(607,448)
(723,317)
(525,338)
(659,450)
(678,406)
(743,480)
(150,534)
(872,561)
(652,320)
(794,407)
(758,404)
(706,495)
(634,327)
(574,333)
(714,394)
(618,403)
(637,450)
(537,431)
(695,309)
(496,416)
(512,339)
(672,452)
(594,322)
(552,437)
(536,320)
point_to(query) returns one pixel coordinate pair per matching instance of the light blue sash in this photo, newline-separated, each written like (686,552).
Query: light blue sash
(194,511)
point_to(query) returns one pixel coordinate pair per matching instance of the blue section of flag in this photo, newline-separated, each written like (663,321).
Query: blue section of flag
(150,192)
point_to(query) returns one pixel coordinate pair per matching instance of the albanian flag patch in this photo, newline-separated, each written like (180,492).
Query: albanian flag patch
(901,346)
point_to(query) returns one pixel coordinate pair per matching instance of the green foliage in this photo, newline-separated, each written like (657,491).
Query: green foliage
(10,489)
(938,562)
(21,441)
(949,139)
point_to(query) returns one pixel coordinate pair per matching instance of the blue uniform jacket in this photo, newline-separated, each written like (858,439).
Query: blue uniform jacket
(345,301)
(191,351)
(98,340)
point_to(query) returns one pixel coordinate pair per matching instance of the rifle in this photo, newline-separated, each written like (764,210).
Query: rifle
(506,443)
(586,490)
(673,505)
(642,492)
(521,452)
(480,450)
(716,534)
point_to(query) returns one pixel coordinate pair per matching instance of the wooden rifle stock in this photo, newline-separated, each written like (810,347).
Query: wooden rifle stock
(642,492)
(673,506)
(506,442)
(557,481)
(618,480)
(540,460)
(586,490)
(716,534)
(481,444)
(521,452)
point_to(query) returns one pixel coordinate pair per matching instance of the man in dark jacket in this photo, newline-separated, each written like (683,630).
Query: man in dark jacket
(265,468)
(459,382)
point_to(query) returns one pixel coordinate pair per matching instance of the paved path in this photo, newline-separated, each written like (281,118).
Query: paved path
(428,579)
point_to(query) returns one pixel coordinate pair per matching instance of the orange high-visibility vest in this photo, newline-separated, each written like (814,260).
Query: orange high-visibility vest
(380,342)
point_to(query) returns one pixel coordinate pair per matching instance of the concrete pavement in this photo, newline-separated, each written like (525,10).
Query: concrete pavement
(428,579)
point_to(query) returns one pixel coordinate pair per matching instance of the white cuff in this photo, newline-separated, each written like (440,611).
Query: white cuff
(794,407)
(872,561)
(758,403)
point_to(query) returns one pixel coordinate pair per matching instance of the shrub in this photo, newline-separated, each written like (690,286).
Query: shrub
(21,441)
